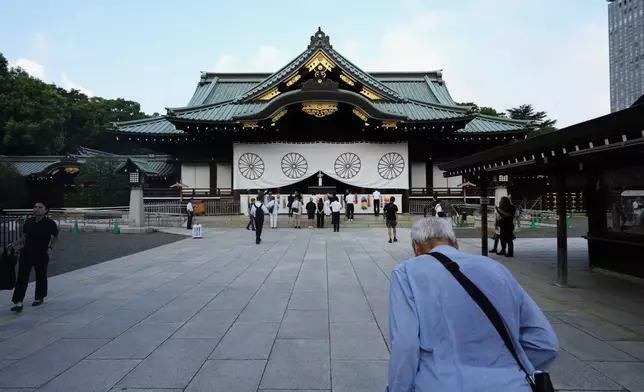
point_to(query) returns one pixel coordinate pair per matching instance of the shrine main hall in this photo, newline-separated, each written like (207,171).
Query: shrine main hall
(319,124)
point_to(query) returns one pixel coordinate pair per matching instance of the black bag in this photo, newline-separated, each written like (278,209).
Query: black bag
(259,212)
(539,382)
(271,208)
(8,262)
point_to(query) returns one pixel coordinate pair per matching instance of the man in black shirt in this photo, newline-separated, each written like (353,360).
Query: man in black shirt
(391,215)
(39,237)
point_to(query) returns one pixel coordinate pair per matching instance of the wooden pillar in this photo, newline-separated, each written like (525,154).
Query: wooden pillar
(484,203)
(429,177)
(213,179)
(562,231)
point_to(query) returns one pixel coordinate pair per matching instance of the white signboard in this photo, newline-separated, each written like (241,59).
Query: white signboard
(366,165)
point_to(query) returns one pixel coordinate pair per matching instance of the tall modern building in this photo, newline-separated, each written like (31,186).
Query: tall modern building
(626,51)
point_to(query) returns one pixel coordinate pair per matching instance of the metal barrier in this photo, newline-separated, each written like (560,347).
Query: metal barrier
(10,229)
(165,220)
(178,207)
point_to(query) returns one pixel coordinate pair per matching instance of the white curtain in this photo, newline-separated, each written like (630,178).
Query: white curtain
(368,165)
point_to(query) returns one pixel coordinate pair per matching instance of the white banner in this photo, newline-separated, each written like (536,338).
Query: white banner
(367,165)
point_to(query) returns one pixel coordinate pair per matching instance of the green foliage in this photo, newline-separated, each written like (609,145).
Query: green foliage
(541,123)
(38,118)
(13,189)
(98,184)
(485,110)
(527,112)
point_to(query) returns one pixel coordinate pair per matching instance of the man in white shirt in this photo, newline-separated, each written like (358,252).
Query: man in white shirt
(335,213)
(376,203)
(350,201)
(190,210)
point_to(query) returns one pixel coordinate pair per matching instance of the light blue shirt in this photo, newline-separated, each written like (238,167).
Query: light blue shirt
(442,341)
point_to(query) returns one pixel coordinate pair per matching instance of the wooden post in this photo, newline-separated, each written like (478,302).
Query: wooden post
(213,179)
(429,177)
(484,204)
(562,232)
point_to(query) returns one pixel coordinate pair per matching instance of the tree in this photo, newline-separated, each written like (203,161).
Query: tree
(32,114)
(13,188)
(100,184)
(485,110)
(527,112)
(39,118)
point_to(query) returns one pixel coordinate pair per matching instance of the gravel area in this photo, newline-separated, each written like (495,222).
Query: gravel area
(75,251)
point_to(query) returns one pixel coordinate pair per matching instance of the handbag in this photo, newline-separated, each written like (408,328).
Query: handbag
(539,381)
(8,262)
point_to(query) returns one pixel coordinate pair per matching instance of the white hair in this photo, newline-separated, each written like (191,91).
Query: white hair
(432,228)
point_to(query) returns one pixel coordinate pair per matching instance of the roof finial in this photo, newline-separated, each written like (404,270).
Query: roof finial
(320,38)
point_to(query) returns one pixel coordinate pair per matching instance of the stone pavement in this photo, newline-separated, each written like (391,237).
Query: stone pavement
(305,310)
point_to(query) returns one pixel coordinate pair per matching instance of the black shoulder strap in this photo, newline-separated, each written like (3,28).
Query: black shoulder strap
(482,301)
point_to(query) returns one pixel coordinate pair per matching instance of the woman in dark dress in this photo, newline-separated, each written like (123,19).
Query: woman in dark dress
(320,213)
(506,213)
(310,212)
(39,236)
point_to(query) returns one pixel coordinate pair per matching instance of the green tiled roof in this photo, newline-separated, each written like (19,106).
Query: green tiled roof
(153,126)
(483,124)
(416,111)
(141,164)
(30,165)
(27,166)
(416,96)
(417,90)
(218,112)
(320,42)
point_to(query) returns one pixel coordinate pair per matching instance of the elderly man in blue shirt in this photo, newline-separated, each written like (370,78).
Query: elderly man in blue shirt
(441,340)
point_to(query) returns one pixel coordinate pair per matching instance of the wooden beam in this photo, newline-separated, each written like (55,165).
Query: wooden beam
(484,204)
(562,232)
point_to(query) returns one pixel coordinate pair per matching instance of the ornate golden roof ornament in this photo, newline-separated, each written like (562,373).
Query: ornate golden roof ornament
(320,58)
(370,94)
(293,80)
(347,79)
(320,109)
(278,116)
(390,124)
(360,114)
(270,94)
(250,124)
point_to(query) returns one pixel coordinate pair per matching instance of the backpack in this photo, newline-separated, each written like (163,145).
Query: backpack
(259,212)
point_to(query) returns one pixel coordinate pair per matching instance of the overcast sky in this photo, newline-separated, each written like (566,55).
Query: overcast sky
(499,53)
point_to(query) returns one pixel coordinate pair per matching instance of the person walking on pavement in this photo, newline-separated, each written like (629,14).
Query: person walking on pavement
(335,213)
(376,203)
(258,211)
(273,210)
(251,221)
(39,236)
(190,210)
(391,215)
(461,322)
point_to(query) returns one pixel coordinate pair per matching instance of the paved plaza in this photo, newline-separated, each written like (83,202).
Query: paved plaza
(304,311)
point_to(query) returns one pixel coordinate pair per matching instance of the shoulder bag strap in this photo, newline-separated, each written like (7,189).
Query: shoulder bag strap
(483,302)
